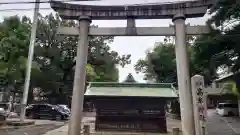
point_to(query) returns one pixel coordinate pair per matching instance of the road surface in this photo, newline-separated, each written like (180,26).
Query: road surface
(217,125)
(40,127)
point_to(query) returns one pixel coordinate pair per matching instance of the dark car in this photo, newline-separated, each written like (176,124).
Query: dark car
(46,111)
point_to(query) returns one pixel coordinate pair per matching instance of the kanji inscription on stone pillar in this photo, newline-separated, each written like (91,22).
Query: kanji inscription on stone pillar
(199,103)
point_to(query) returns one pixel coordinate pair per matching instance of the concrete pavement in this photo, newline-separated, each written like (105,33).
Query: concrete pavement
(90,121)
(64,131)
(233,123)
(217,125)
(31,130)
(40,121)
(60,131)
(40,127)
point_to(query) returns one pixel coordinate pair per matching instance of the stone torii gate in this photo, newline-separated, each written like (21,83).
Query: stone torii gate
(178,12)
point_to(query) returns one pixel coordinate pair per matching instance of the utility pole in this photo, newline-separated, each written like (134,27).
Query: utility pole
(29,63)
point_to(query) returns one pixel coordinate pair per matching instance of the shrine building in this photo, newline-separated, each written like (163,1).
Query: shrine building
(136,107)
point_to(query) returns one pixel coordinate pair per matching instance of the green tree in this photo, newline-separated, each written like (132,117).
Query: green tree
(207,53)
(220,48)
(225,12)
(13,51)
(201,62)
(159,64)
(14,41)
(54,58)
(56,55)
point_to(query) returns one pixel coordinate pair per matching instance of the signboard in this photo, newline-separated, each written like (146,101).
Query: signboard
(199,104)
(130,114)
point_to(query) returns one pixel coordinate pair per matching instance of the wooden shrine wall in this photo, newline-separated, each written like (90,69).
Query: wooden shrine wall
(126,114)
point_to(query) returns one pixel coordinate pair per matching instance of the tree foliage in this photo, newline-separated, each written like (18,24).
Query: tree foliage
(13,50)
(160,63)
(54,55)
(207,53)
(225,11)
(221,47)
(223,44)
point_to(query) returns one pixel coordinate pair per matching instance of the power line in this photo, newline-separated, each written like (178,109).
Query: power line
(22,2)
(23,9)
(33,2)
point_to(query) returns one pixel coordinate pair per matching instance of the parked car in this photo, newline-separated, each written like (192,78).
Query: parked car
(6,106)
(227,109)
(2,115)
(9,113)
(2,111)
(46,111)
(65,108)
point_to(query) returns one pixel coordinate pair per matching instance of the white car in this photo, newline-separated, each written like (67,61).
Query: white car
(2,115)
(2,111)
(227,109)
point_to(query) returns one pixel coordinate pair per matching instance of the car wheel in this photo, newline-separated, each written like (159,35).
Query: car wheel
(230,114)
(58,117)
(31,116)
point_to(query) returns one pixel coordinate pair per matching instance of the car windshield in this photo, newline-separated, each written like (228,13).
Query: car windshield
(63,106)
(60,108)
(227,105)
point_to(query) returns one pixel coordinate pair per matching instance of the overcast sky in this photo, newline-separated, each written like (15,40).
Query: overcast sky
(136,46)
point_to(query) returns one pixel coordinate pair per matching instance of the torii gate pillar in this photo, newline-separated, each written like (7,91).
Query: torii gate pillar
(183,76)
(79,77)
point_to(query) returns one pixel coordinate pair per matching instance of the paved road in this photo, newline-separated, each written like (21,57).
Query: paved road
(33,130)
(90,121)
(217,125)
(234,123)
(41,121)
(41,127)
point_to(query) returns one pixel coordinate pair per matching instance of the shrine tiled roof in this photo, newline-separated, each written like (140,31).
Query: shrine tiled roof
(130,89)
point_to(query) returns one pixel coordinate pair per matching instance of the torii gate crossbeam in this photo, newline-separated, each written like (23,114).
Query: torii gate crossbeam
(140,31)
